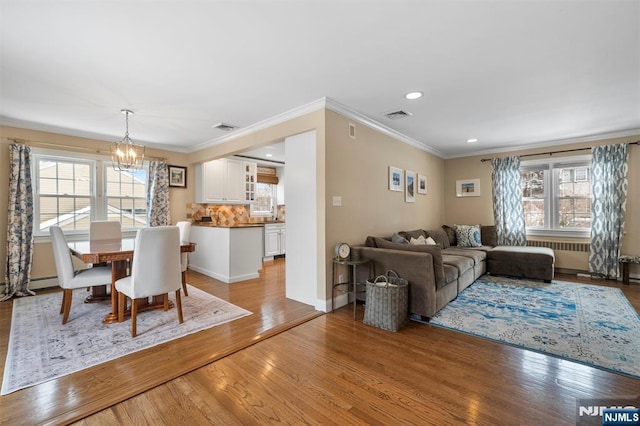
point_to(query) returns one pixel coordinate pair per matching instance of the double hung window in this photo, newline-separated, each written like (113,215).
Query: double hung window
(557,195)
(70,191)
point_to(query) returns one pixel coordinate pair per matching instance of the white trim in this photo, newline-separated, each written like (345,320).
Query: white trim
(545,144)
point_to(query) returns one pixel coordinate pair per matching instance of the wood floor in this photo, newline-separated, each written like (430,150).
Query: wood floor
(334,370)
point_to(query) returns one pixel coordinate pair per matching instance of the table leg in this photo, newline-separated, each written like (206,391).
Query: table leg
(98,294)
(118,270)
(625,273)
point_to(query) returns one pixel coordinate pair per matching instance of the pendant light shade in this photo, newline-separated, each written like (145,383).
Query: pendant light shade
(126,155)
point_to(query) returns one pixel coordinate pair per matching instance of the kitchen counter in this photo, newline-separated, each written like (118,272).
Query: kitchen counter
(237,225)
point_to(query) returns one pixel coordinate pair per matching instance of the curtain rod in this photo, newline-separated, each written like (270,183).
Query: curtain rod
(557,152)
(78,148)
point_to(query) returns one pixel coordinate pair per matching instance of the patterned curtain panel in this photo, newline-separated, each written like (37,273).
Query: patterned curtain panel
(508,211)
(158,194)
(609,187)
(19,223)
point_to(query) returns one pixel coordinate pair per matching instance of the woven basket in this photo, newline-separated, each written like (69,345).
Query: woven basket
(386,303)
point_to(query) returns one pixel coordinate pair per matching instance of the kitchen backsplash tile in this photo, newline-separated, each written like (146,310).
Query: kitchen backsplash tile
(229,215)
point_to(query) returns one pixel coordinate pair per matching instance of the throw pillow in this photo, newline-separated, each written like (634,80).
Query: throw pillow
(451,234)
(399,239)
(412,234)
(420,241)
(431,242)
(439,236)
(468,235)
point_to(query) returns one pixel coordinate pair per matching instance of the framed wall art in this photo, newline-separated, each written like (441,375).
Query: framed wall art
(422,184)
(395,179)
(178,176)
(468,188)
(410,187)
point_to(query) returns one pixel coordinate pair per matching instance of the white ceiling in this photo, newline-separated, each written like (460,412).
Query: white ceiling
(512,74)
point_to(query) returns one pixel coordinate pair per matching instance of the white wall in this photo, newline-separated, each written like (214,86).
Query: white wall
(302,234)
(280,187)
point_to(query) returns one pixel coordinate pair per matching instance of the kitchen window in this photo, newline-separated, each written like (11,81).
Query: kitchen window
(70,191)
(557,196)
(264,203)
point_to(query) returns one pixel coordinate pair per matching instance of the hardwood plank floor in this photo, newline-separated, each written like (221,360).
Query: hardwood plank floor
(334,370)
(75,396)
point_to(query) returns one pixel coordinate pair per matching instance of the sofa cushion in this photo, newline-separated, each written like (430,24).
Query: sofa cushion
(439,236)
(463,263)
(489,235)
(468,235)
(451,274)
(434,251)
(478,256)
(412,234)
(451,234)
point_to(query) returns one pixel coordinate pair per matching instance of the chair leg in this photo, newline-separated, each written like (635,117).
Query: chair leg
(64,299)
(134,315)
(68,295)
(184,283)
(165,301)
(179,306)
(122,305)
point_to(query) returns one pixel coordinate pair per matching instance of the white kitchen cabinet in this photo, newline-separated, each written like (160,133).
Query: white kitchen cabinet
(228,254)
(225,181)
(274,239)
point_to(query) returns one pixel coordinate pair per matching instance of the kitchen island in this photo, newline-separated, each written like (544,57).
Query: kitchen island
(227,253)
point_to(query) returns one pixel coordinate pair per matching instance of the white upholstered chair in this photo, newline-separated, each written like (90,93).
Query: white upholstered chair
(68,279)
(155,271)
(185,231)
(104,230)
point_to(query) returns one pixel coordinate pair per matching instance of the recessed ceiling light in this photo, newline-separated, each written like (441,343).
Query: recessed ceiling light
(413,95)
(474,140)
(269,155)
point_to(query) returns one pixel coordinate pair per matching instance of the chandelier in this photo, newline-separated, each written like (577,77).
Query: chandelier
(126,155)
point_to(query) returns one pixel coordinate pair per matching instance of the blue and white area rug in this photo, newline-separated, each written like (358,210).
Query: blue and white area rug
(42,349)
(592,325)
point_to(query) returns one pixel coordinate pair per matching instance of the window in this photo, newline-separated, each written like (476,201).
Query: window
(68,192)
(557,195)
(263,204)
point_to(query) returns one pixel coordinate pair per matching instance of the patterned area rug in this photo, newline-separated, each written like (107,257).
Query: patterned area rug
(41,348)
(592,325)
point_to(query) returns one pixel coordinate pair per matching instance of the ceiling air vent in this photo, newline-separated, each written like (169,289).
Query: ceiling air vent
(398,114)
(225,126)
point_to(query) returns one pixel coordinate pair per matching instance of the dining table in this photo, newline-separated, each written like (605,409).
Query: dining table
(118,251)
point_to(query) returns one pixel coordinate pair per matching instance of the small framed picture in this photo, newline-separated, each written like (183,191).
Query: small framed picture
(178,176)
(468,188)
(395,179)
(422,184)
(410,187)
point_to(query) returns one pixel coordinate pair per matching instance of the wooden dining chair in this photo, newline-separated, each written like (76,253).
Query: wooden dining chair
(68,279)
(155,271)
(185,231)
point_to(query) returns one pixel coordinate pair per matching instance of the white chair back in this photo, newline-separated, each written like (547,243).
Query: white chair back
(156,262)
(185,232)
(62,256)
(104,230)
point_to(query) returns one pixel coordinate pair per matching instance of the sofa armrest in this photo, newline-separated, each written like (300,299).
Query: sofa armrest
(415,267)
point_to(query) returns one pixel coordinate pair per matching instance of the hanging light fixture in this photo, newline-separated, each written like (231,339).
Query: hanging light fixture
(126,155)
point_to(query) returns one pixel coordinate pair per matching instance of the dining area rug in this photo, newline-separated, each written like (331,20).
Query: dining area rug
(589,324)
(41,348)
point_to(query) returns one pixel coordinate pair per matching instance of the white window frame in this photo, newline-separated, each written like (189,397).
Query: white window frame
(253,212)
(551,208)
(98,188)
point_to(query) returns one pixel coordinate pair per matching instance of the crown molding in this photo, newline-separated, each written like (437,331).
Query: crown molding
(322,103)
(40,127)
(352,114)
(546,144)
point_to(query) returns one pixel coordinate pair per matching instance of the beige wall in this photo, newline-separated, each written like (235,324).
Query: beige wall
(43,265)
(479,209)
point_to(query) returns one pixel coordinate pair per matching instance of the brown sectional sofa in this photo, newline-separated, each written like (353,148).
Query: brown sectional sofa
(437,273)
